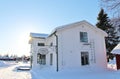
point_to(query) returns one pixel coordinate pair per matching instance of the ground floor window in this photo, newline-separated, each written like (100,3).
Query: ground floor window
(51,59)
(84,58)
(31,61)
(41,59)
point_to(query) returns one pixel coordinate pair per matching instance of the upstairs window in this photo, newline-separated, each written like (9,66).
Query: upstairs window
(41,44)
(83,37)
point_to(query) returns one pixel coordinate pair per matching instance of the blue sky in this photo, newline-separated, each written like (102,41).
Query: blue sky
(20,17)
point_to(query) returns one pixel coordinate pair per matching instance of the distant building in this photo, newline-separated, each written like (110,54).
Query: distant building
(74,45)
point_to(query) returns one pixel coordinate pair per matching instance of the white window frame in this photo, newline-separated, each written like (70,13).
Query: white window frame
(83,37)
(84,58)
(41,59)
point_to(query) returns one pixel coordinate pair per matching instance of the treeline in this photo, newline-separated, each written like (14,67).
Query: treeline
(14,58)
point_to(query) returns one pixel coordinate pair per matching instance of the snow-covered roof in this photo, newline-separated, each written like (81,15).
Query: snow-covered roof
(116,50)
(76,24)
(41,35)
(38,35)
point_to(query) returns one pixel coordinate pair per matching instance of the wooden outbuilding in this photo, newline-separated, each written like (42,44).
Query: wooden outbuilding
(116,52)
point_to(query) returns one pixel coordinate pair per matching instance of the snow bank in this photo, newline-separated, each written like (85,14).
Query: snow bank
(6,63)
(8,72)
(112,61)
(2,64)
(78,73)
(112,64)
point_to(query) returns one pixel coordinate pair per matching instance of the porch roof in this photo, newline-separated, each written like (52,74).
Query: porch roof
(38,35)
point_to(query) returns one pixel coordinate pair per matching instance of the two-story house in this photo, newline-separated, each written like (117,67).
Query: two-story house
(75,45)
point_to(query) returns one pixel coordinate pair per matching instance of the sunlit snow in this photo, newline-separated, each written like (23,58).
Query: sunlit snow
(8,70)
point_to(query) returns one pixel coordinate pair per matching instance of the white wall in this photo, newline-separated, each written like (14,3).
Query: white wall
(50,40)
(70,47)
(34,49)
(100,52)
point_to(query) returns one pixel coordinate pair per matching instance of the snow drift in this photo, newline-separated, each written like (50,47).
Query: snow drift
(2,64)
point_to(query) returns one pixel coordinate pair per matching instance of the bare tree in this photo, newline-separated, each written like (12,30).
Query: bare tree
(112,6)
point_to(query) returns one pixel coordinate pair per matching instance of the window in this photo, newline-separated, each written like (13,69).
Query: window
(41,59)
(51,44)
(83,37)
(84,58)
(51,59)
(41,44)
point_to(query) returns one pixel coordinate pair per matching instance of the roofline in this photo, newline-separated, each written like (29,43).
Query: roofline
(96,28)
(42,37)
(61,27)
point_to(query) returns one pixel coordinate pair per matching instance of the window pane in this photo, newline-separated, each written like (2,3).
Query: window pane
(84,58)
(41,44)
(38,58)
(51,44)
(51,59)
(83,37)
(41,59)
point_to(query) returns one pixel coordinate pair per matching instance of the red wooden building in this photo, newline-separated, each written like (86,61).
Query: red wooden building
(116,51)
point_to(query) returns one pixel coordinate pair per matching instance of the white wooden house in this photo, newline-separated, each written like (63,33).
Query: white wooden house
(74,45)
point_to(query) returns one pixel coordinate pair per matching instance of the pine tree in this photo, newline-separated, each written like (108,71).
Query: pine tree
(112,39)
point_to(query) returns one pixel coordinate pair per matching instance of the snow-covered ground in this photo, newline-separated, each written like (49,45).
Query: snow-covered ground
(84,73)
(8,70)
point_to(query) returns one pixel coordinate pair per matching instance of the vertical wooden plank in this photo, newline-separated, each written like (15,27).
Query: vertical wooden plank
(118,61)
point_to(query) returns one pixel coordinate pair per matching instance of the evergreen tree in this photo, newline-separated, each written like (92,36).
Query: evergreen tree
(112,39)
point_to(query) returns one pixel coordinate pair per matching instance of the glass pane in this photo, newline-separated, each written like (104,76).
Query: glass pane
(41,59)
(41,44)
(51,59)
(84,58)
(83,37)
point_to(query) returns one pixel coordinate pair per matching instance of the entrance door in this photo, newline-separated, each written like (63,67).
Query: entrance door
(41,59)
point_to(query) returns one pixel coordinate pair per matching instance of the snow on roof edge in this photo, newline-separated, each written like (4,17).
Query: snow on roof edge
(67,25)
(39,35)
(63,26)
(42,35)
(116,50)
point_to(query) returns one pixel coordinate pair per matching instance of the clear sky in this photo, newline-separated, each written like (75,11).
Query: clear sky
(20,17)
